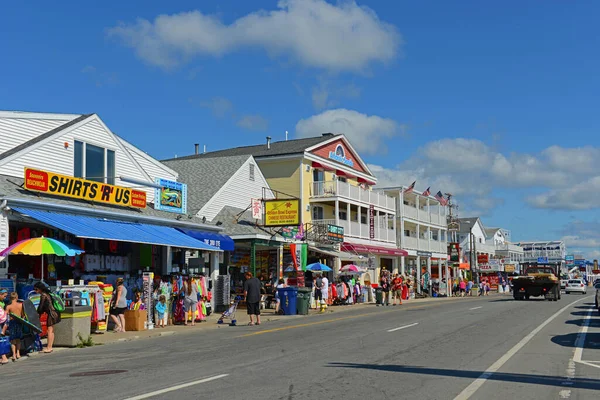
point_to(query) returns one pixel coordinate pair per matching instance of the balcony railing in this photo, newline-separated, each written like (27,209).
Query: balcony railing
(430,217)
(348,191)
(361,231)
(421,244)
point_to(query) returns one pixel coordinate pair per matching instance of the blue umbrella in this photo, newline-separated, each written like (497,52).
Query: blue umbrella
(318,267)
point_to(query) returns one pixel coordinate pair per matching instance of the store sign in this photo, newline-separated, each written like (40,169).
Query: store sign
(569,258)
(579,262)
(596,271)
(83,189)
(483,258)
(492,266)
(257,209)
(509,268)
(171,197)
(454,252)
(542,260)
(299,255)
(339,155)
(424,253)
(282,212)
(372,222)
(335,233)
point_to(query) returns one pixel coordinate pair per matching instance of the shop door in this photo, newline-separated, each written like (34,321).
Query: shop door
(318,182)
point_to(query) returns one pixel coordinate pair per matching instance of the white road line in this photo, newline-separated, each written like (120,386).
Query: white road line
(403,327)
(476,308)
(477,383)
(177,387)
(580,342)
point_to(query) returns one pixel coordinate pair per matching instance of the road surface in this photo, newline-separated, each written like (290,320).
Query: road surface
(472,348)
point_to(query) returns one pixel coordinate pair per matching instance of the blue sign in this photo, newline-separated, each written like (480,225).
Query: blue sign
(171,197)
(579,262)
(542,260)
(569,258)
(339,155)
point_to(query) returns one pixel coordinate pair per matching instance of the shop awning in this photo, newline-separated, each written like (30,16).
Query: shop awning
(122,231)
(366,249)
(223,242)
(342,255)
(321,166)
(363,180)
(339,172)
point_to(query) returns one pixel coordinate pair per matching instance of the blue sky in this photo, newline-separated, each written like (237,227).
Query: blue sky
(493,101)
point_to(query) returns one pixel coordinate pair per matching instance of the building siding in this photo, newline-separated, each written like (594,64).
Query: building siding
(331,147)
(282,176)
(151,168)
(53,156)
(16,131)
(238,192)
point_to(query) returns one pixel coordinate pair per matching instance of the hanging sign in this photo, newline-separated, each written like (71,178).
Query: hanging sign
(171,197)
(335,233)
(371,222)
(299,255)
(483,258)
(454,252)
(257,209)
(282,212)
(83,189)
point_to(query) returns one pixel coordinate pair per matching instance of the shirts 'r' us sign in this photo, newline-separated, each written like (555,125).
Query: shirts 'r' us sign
(83,189)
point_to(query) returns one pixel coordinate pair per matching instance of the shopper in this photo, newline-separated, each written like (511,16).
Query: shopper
(3,296)
(397,289)
(252,295)
(119,305)
(463,287)
(15,328)
(46,307)
(190,289)
(280,285)
(318,282)
(385,290)
(161,309)
(324,292)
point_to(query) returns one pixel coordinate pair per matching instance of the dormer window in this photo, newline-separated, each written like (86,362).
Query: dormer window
(94,163)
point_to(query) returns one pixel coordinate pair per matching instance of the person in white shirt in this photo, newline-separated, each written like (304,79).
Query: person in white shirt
(324,292)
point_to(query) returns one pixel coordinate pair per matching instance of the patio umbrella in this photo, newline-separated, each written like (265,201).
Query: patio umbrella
(40,246)
(352,268)
(318,267)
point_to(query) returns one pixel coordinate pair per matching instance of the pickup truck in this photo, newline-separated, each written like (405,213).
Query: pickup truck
(539,280)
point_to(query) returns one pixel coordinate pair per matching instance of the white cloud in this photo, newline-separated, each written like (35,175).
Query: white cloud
(328,95)
(219,106)
(341,37)
(253,123)
(578,196)
(366,132)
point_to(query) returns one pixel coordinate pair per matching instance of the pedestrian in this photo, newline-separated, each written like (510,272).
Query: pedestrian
(47,307)
(3,296)
(15,328)
(324,293)
(462,287)
(3,327)
(190,288)
(252,294)
(487,288)
(318,282)
(280,285)
(385,290)
(161,309)
(118,305)
(469,287)
(397,289)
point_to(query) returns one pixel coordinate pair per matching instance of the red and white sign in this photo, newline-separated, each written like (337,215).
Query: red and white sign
(257,209)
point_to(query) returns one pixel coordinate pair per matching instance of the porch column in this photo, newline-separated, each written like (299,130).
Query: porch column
(167,264)
(418,277)
(428,238)
(429,289)
(280,261)
(349,218)
(403,266)
(441,274)
(440,241)
(378,225)
(253,257)
(448,279)
(337,212)
(395,265)
(214,272)
(359,219)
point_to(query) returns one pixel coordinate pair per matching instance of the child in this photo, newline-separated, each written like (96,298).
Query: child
(3,326)
(15,329)
(161,308)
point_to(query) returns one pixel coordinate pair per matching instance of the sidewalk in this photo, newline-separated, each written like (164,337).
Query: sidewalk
(267,316)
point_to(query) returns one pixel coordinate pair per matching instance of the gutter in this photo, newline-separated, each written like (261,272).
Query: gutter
(109,214)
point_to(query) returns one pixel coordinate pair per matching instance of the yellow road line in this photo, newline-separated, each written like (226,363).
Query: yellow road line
(327,321)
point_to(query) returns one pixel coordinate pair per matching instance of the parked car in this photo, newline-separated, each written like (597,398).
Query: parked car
(576,285)
(597,287)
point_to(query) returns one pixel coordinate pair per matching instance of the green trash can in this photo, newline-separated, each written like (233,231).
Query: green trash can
(303,300)
(75,320)
(378,296)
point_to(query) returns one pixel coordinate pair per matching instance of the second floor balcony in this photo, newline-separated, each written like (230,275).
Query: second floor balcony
(423,244)
(347,191)
(355,229)
(432,216)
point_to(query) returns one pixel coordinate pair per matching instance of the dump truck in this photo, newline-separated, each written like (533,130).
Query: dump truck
(538,280)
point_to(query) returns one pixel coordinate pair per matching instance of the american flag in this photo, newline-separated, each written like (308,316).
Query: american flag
(427,192)
(440,197)
(410,188)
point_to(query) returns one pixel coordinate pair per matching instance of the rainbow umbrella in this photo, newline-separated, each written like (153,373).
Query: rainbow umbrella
(40,246)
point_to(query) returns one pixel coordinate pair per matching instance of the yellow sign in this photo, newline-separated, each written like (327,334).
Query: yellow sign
(509,268)
(282,212)
(78,188)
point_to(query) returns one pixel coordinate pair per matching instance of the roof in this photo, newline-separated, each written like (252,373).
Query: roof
(491,231)
(11,188)
(466,224)
(238,222)
(205,176)
(285,147)
(43,136)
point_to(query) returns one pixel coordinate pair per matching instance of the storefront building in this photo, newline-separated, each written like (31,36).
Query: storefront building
(69,177)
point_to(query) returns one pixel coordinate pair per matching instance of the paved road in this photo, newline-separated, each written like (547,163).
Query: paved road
(478,348)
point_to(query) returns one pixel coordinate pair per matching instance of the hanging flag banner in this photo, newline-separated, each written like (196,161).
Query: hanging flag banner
(299,255)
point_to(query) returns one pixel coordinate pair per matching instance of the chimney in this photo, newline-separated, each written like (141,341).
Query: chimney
(327,134)
(204,149)
(268,142)
(196,148)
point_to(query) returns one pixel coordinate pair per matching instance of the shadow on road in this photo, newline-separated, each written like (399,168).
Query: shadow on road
(501,300)
(592,323)
(558,381)
(568,340)
(584,307)
(582,313)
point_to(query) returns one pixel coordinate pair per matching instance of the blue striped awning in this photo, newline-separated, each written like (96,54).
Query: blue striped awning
(110,229)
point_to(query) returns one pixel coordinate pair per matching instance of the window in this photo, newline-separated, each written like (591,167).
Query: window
(343,215)
(94,163)
(342,179)
(480,240)
(318,175)
(317,212)
(252,172)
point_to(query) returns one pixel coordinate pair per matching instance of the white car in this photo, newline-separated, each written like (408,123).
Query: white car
(563,283)
(576,285)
